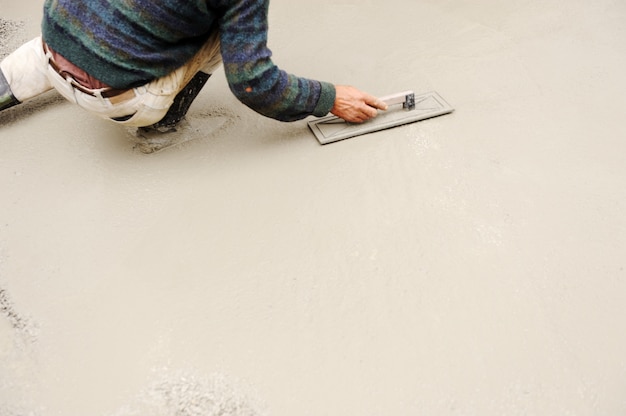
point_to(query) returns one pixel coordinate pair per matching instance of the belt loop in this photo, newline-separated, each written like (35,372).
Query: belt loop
(68,81)
(97,94)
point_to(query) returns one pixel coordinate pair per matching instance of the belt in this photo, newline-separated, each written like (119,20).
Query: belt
(110,92)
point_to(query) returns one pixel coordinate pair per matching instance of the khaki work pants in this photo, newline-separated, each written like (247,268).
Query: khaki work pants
(29,74)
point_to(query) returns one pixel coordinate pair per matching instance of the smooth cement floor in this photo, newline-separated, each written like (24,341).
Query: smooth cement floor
(471,264)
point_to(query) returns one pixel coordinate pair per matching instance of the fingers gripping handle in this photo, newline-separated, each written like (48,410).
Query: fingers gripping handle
(406,98)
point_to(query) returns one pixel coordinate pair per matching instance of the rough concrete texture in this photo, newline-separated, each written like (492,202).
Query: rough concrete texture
(471,264)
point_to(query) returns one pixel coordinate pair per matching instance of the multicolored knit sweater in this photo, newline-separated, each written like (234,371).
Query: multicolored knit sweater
(125,43)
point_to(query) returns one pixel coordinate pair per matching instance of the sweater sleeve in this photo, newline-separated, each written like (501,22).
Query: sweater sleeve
(252,76)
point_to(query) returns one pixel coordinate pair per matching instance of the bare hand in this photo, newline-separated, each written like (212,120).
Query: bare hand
(354,105)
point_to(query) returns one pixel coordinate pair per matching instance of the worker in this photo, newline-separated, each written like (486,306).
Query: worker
(141,63)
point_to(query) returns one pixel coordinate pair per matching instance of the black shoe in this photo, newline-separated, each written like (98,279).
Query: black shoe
(7,99)
(181,103)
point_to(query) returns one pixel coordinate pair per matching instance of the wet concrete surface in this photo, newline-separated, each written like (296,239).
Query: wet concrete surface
(471,264)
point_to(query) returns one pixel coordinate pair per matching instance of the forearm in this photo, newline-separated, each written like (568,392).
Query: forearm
(279,95)
(255,79)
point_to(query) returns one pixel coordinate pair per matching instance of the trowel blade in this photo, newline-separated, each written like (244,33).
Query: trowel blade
(331,129)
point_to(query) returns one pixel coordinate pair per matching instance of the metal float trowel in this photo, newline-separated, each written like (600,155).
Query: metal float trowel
(403,108)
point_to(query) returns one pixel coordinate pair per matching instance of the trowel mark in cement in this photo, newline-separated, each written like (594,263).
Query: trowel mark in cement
(201,124)
(24,330)
(11,36)
(185,393)
(18,357)
(6,308)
